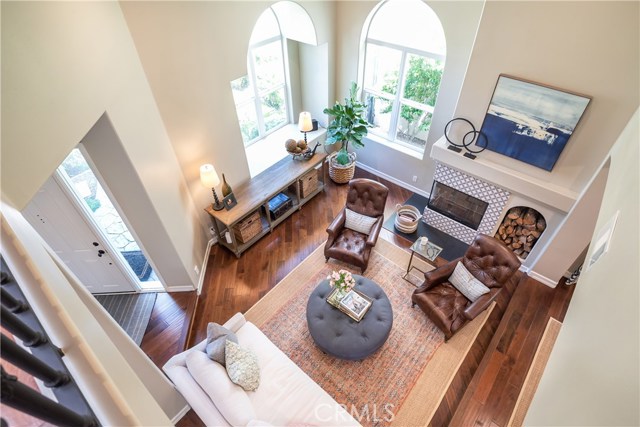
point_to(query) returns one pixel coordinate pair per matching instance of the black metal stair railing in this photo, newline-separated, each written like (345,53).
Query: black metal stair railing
(43,360)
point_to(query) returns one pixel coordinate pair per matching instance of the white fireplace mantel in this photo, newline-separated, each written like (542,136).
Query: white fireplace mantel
(544,192)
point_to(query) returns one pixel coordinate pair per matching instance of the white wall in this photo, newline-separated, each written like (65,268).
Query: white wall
(460,22)
(592,377)
(573,234)
(105,150)
(64,64)
(555,43)
(191,51)
(586,47)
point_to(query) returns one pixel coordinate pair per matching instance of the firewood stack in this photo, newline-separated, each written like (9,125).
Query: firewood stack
(520,230)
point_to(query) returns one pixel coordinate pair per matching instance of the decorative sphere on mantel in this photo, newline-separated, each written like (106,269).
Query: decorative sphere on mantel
(291,145)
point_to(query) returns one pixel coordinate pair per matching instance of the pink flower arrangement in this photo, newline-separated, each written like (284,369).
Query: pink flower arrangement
(342,280)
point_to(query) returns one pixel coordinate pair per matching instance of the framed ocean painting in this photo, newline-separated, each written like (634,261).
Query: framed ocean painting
(530,122)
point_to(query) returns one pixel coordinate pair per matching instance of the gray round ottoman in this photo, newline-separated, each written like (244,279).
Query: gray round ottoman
(337,334)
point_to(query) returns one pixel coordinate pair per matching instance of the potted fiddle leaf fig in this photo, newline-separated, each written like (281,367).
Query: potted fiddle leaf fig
(349,126)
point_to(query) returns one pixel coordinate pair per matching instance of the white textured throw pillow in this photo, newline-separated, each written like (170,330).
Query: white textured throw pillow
(242,366)
(468,285)
(358,222)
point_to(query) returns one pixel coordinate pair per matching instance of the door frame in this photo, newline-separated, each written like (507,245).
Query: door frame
(100,237)
(104,240)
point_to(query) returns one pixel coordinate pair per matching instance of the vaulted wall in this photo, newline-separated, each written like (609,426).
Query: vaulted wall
(592,377)
(64,65)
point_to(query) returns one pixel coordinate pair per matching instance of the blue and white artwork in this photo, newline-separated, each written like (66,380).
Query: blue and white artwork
(529,122)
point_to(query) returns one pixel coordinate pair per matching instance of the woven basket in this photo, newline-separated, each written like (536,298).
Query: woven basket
(407,218)
(341,174)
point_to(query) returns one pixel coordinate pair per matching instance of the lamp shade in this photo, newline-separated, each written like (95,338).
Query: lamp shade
(304,122)
(208,176)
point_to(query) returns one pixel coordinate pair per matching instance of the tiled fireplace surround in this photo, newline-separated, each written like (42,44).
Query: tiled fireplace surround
(502,189)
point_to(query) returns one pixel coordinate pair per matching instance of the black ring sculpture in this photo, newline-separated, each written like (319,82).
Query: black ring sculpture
(471,154)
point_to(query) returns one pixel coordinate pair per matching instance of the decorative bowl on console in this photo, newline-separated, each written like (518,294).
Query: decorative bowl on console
(300,149)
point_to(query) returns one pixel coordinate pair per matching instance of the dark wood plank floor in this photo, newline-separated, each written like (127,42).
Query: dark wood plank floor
(169,325)
(483,392)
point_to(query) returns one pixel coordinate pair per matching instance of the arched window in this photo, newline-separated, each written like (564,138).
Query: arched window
(261,96)
(405,51)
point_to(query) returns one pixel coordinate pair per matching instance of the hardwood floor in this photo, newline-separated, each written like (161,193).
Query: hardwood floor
(168,327)
(484,391)
(233,285)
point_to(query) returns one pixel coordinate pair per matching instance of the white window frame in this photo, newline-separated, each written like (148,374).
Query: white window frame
(398,100)
(256,98)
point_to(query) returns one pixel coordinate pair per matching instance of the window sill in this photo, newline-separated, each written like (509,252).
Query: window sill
(394,146)
(267,151)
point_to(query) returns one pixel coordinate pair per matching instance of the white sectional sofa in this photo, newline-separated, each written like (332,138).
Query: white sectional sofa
(286,395)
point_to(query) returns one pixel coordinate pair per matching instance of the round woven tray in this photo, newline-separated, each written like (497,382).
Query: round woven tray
(341,174)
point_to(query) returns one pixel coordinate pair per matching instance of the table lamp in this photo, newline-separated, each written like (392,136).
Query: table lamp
(304,124)
(209,178)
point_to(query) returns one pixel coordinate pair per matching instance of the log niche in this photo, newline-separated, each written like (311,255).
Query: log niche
(520,229)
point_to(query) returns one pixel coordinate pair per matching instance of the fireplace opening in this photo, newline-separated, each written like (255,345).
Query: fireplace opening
(520,229)
(461,207)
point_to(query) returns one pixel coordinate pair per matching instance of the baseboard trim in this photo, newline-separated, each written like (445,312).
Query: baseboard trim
(534,375)
(542,279)
(393,179)
(203,268)
(177,417)
(179,288)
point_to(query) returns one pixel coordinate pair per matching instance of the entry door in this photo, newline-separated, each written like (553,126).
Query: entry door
(55,217)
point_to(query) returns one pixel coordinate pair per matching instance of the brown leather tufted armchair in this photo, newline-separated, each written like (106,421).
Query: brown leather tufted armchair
(489,261)
(367,197)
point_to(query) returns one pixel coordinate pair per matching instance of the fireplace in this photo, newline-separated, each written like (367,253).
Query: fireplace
(458,206)
(462,205)
(517,197)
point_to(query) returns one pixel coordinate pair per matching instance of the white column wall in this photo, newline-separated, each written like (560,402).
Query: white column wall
(593,376)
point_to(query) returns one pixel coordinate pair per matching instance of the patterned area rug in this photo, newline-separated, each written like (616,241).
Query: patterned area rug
(379,384)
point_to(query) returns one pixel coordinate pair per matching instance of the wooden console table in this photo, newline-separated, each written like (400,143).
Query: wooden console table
(254,196)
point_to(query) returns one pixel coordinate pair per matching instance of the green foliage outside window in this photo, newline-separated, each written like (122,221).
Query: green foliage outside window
(273,100)
(421,85)
(249,130)
(240,84)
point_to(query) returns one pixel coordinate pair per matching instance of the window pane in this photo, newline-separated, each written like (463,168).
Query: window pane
(269,66)
(274,109)
(381,68)
(409,23)
(75,164)
(241,89)
(248,121)
(378,113)
(413,126)
(265,28)
(422,79)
